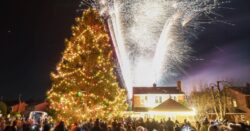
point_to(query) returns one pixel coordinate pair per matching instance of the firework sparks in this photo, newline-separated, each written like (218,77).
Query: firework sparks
(152,37)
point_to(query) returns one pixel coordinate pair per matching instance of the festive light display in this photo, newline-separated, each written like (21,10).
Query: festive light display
(84,83)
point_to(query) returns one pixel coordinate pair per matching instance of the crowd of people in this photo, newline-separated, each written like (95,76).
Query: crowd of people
(127,124)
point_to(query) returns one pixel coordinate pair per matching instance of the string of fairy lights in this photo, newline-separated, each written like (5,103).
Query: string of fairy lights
(84,84)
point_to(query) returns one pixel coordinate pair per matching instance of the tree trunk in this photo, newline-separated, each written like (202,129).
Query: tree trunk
(214,101)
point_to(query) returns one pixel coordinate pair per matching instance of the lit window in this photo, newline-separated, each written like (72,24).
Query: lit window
(146,98)
(142,100)
(234,103)
(156,99)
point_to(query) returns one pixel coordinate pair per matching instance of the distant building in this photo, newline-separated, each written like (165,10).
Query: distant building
(146,98)
(240,98)
(160,101)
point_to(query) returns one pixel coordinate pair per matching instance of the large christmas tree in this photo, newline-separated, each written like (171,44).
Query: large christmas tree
(84,84)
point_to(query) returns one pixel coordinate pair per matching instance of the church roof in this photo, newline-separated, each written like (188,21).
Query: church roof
(156,90)
(171,105)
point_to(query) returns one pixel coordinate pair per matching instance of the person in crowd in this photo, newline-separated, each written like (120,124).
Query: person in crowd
(197,126)
(115,125)
(213,127)
(19,124)
(177,127)
(26,125)
(148,124)
(162,125)
(122,127)
(154,125)
(46,125)
(2,123)
(204,126)
(10,127)
(185,125)
(60,127)
(97,126)
(206,121)
(74,127)
(140,128)
(129,127)
(104,126)
(89,125)
(170,125)
(176,122)
(128,124)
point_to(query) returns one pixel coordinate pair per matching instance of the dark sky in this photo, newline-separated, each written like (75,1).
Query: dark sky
(33,33)
(32,39)
(224,49)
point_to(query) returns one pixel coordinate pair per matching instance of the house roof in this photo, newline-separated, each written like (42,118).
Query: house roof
(243,90)
(42,106)
(20,107)
(156,90)
(171,105)
(141,109)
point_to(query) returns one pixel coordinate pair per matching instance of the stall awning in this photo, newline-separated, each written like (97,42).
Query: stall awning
(171,105)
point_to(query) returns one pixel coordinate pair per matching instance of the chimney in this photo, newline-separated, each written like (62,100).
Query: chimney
(154,85)
(178,83)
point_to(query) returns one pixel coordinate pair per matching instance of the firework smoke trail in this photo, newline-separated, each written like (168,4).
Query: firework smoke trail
(115,31)
(152,37)
(163,46)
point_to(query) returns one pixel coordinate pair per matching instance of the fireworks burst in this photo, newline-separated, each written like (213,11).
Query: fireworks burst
(152,37)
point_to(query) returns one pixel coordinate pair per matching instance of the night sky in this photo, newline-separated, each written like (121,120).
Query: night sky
(33,33)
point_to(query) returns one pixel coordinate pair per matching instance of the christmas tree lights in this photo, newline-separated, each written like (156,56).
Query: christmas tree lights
(84,85)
